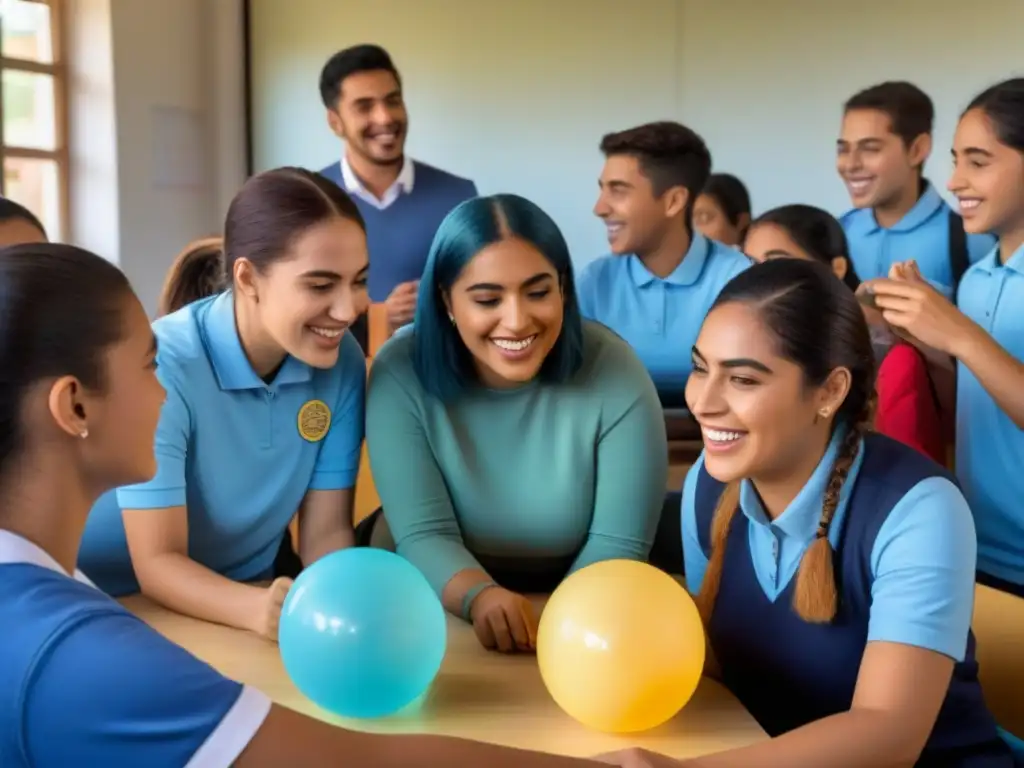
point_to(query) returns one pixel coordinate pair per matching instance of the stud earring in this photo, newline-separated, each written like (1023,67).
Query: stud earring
(824,413)
(84,433)
(451,317)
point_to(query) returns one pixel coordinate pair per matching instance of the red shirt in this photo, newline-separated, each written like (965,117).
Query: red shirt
(907,407)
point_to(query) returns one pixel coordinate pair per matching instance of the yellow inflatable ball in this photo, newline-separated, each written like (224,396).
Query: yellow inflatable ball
(620,646)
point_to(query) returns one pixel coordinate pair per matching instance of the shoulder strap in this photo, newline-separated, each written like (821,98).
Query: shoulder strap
(958,258)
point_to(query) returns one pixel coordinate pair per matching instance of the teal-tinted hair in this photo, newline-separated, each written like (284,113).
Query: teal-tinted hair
(443,363)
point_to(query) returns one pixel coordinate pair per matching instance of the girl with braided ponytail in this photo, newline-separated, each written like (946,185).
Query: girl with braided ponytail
(834,567)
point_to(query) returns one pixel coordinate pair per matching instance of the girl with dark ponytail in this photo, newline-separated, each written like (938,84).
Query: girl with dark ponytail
(198,272)
(833,567)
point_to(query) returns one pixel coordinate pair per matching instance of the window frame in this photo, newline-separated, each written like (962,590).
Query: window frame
(61,155)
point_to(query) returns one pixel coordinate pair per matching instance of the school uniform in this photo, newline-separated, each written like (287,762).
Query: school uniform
(904,553)
(659,317)
(84,682)
(238,453)
(989,446)
(930,233)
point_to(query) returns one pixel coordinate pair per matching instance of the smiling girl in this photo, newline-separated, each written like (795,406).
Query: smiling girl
(263,419)
(511,442)
(986,334)
(834,567)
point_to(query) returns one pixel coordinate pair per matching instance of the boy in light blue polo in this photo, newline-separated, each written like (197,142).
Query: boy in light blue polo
(237,452)
(885,140)
(662,277)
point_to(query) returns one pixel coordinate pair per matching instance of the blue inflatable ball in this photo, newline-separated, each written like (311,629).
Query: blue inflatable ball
(362,633)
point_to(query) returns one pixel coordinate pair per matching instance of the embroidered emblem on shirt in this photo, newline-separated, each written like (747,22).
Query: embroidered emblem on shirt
(314,420)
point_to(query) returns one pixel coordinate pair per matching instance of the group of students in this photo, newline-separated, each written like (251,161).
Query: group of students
(516,435)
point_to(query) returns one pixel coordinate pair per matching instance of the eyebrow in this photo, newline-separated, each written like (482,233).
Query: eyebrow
(777,253)
(529,282)
(867,140)
(153,346)
(614,183)
(738,362)
(322,274)
(975,151)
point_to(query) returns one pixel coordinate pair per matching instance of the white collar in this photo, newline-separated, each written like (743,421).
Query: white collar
(403,183)
(17,549)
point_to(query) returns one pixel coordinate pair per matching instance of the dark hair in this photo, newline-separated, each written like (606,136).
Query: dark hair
(1003,104)
(670,155)
(359,58)
(60,308)
(197,272)
(909,109)
(818,325)
(443,364)
(730,194)
(817,232)
(273,208)
(11,210)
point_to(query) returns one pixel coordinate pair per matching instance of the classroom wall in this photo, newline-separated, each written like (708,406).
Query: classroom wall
(517,95)
(157,127)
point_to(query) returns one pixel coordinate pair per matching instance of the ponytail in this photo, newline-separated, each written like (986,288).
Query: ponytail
(197,272)
(815,598)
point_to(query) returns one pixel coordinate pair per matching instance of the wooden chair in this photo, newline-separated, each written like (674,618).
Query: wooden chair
(999,629)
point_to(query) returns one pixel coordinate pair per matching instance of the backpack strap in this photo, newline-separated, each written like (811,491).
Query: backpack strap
(959,260)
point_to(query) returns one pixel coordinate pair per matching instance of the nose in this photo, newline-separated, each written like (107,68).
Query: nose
(346,307)
(956,180)
(514,316)
(601,208)
(704,397)
(381,115)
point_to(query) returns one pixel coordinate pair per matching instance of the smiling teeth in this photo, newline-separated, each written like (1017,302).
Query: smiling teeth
(514,345)
(718,436)
(327,333)
(969,203)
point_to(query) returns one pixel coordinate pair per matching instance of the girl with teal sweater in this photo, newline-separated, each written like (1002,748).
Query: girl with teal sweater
(512,443)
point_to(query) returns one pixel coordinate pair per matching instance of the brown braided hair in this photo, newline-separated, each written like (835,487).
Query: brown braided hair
(819,326)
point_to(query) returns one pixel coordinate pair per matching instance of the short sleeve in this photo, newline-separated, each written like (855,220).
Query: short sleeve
(337,464)
(923,564)
(695,562)
(108,690)
(586,289)
(167,488)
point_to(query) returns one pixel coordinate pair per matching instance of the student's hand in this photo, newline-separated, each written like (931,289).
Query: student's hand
(270,610)
(639,758)
(401,304)
(916,310)
(504,621)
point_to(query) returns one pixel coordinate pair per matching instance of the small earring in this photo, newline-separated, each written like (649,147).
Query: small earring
(452,318)
(824,413)
(84,433)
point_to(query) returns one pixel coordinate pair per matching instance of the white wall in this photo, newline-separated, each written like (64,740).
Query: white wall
(133,62)
(517,95)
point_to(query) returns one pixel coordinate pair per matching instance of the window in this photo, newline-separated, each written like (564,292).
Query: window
(33,145)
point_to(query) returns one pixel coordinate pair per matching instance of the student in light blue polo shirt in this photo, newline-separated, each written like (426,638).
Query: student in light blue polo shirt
(263,419)
(656,287)
(885,140)
(987,335)
(834,568)
(83,682)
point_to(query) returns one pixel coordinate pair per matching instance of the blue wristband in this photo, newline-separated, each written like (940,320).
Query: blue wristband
(471,595)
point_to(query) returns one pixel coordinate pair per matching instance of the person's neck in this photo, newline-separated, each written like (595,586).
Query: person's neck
(376,177)
(264,355)
(665,258)
(1010,242)
(890,214)
(49,514)
(777,490)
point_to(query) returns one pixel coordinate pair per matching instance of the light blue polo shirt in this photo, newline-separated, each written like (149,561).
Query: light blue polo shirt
(922,234)
(922,562)
(229,448)
(83,682)
(659,317)
(989,446)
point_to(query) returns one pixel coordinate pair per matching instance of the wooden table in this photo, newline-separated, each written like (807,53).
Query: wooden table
(478,694)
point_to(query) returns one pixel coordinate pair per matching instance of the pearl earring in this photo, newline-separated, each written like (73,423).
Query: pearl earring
(84,433)
(452,318)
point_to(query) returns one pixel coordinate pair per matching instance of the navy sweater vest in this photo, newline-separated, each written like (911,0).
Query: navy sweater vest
(399,236)
(788,672)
